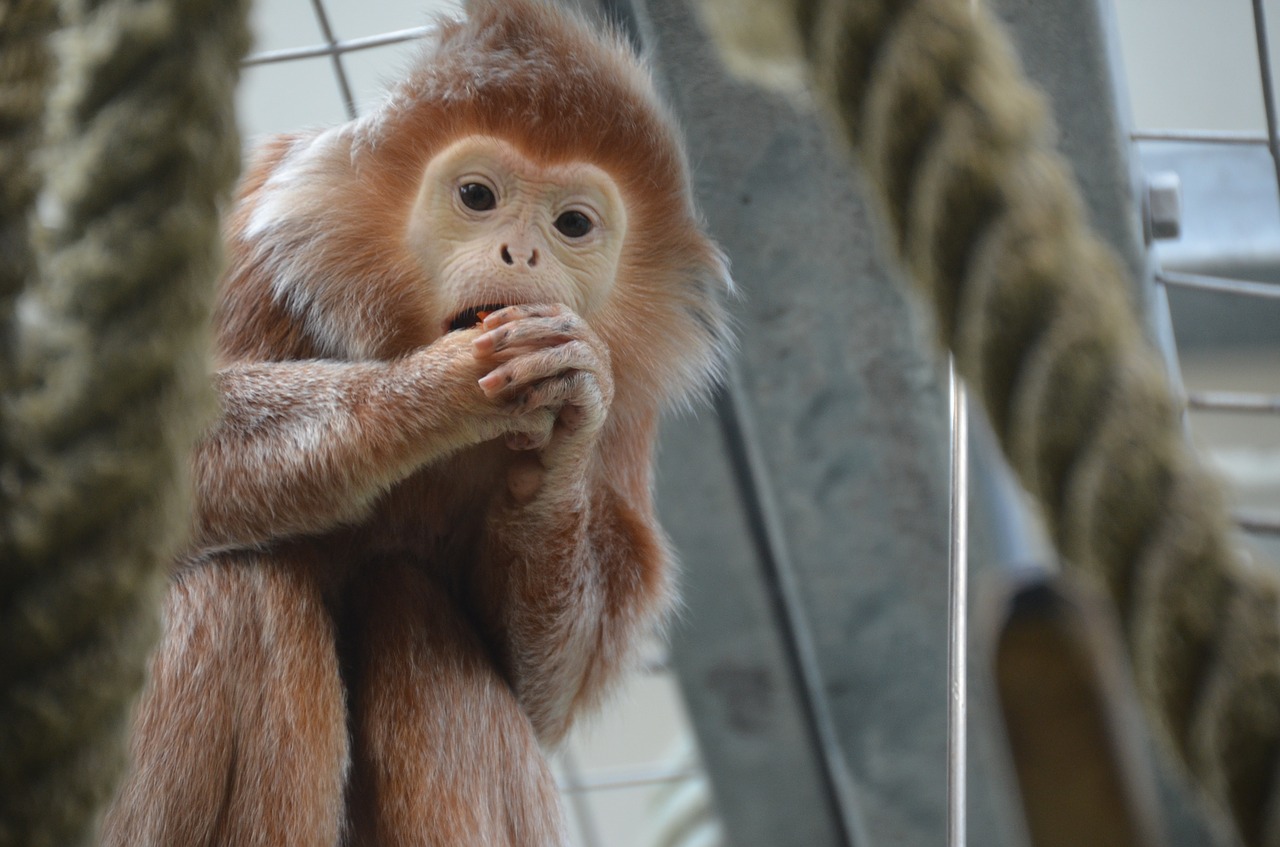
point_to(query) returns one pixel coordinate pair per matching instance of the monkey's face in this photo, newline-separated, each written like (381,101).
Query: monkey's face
(493,228)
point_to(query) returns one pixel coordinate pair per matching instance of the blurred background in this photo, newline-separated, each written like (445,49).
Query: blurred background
(846,545)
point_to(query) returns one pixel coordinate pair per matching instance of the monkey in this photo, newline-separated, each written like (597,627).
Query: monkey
(423,537)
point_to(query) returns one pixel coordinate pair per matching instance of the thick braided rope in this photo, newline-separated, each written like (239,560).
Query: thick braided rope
(987,219)
(112,382)
(26,69)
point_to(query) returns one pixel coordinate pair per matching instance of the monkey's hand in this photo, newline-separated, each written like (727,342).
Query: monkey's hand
(546,357)
(573,567)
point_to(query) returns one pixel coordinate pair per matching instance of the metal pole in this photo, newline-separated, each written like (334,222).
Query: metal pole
(783,589)
(1268,89)
(957,623)
(339,72)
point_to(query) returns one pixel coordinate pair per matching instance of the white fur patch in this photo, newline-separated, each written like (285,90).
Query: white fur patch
(298,182)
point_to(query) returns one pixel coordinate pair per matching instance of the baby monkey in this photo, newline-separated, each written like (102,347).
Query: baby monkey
(424,537)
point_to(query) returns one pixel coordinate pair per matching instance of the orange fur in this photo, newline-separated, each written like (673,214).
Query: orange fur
(405,581)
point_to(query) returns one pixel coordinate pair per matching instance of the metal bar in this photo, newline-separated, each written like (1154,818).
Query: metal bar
(339,72)
(1202,136)
(738,684)
(1219,285)
(780,577)
(1268,88)
(350,45)
(634,777)
(957,628)
(1233,401)
(1260,523)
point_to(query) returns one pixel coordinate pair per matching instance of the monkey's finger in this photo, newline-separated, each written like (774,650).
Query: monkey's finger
(529,440)
(530,333)
(581,404)
(528,427)
(576,396)
(507,314)
(573,416)
(536,365)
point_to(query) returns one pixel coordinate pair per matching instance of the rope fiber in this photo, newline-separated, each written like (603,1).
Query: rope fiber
(105,367)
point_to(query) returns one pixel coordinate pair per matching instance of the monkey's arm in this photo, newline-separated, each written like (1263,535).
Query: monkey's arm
(304,446)
(579,576)
(574,568)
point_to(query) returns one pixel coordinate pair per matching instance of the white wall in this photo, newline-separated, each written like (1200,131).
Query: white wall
(1193,63)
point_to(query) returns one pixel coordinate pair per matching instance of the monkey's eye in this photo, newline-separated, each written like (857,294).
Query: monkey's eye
(573,224)
(477,197)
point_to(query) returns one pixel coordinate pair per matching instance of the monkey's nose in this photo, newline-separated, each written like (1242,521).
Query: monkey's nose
(522,254)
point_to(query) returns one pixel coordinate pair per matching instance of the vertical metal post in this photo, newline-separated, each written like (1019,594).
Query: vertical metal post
(957,608)
(957,623)
(1268,87)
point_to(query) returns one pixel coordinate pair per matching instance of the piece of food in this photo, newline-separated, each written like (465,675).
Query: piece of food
(473,316)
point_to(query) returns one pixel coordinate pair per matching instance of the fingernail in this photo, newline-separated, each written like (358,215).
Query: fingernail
(483,343)
(491,381)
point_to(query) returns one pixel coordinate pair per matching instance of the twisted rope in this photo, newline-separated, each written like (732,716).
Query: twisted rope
(26,69)
(988,220)
(109,382)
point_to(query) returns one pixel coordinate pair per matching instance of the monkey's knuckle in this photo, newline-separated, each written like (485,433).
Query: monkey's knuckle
(578,353)
(581,386)
(522,403)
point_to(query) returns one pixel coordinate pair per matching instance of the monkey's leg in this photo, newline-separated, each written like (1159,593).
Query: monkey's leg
(443,755)
(241,735)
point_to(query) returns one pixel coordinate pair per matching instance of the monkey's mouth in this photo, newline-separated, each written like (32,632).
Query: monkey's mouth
(468,318)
